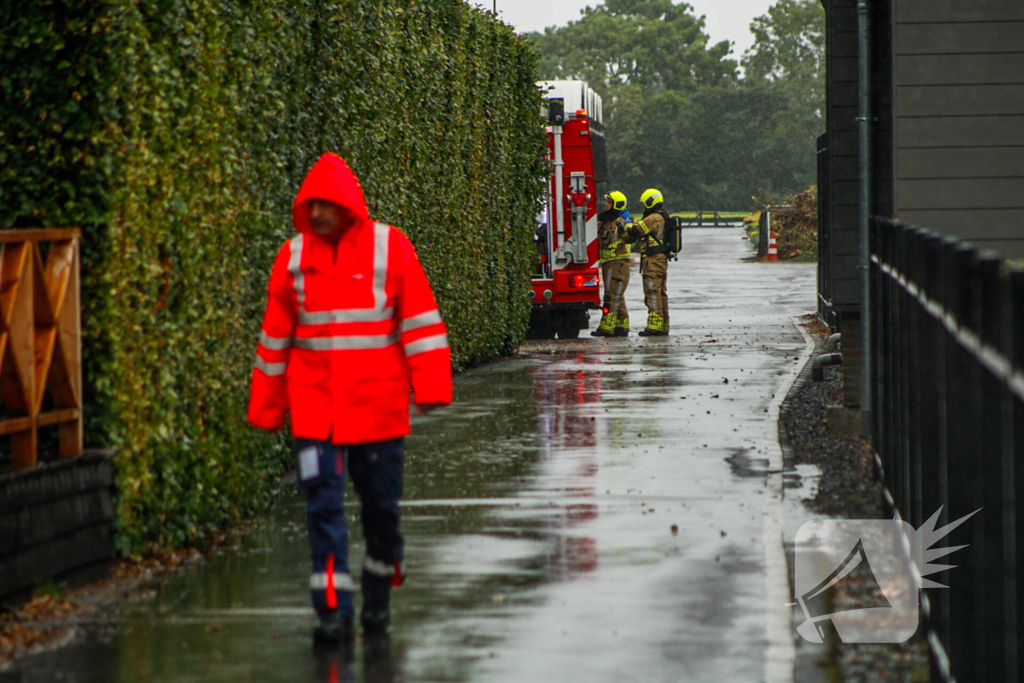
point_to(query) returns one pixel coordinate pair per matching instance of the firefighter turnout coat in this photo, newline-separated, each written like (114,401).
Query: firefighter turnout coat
(611,231)
(347,333)
(654,269)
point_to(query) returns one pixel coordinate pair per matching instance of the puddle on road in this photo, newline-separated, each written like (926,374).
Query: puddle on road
(802,483)
(477,543)
(561,488)
(744,466)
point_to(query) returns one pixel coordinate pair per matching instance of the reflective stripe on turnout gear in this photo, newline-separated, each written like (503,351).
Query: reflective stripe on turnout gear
(270,369)
(620,321)
(342,582)
(656,323)
(381,233)
(274,343)
(379,567)
(347,342)
(295,268)
(651,291)
(345,315)
(422,320)
(438,341)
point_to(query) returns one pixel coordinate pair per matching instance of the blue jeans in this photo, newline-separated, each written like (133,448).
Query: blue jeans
(376,473)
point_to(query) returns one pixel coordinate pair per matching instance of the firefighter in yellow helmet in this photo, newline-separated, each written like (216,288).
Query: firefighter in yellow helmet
(649,234)
(612,224)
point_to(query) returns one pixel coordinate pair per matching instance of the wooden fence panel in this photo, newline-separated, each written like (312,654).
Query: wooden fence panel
(40,340)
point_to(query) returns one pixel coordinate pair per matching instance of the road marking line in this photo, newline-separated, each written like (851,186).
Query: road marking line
(781,656)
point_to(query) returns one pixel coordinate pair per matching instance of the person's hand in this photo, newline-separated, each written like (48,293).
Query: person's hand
(424,408)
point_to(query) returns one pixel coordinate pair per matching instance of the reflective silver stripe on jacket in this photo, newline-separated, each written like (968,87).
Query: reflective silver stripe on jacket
(378,567)
(342,582)
(438,341)
(270,369)
(274,343)
(345,315)
(422,320)
(294,267)
(347,342)
(381,233)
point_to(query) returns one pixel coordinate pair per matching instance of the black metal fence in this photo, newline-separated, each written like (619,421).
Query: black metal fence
(948,393)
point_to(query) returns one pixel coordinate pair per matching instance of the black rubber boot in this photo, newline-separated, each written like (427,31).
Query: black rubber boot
(334,631)
(376,615)
(621,332)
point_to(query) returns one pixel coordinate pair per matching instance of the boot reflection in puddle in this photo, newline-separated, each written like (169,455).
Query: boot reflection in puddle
(334,664)
(378,663)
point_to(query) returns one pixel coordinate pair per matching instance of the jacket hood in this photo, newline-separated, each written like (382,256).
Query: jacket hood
(330,179)
(608,216)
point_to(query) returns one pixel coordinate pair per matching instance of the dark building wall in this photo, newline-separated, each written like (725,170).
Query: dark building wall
(841,103)
(959,119)
(843,137)
(948,110)
(948,130)
(843,177)
(882,108)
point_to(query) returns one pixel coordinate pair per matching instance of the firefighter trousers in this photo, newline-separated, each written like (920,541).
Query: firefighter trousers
(653,270)
(615,274)
(376,473)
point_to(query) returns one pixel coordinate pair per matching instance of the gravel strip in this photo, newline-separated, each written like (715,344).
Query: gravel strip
(847,490)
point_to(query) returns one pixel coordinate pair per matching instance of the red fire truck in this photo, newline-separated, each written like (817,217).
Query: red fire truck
(566,281)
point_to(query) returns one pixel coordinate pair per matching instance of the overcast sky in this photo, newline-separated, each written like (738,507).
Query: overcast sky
(726,19)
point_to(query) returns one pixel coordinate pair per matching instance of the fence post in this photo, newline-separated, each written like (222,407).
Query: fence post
(885,369)
(914,341)
(1014,341)
(963,628)
(986,320)
(901,355)
(877,284)
(935,255)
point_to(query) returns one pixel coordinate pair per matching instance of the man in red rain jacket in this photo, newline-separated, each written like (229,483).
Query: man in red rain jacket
(351,328)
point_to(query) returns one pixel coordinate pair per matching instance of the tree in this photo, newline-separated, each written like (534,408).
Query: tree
(788,56)
(677,115)
(789,48)
(712,149)
(652,44)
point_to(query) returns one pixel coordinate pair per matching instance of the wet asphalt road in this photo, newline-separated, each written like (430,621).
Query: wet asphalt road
(590,510)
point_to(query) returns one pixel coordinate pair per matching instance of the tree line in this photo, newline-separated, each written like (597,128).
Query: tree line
(682,115)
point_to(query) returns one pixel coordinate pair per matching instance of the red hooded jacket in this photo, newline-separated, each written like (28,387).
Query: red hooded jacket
(345,337)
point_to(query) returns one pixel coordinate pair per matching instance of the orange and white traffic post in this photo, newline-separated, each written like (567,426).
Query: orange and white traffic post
(773,252)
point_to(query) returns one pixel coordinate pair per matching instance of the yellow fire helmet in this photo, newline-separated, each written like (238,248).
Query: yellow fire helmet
(618,200)
(651,198)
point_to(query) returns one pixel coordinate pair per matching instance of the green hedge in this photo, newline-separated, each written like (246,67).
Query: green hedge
(176,132)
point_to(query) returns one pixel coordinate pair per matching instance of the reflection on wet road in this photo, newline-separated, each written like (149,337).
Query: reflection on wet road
(588,510)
